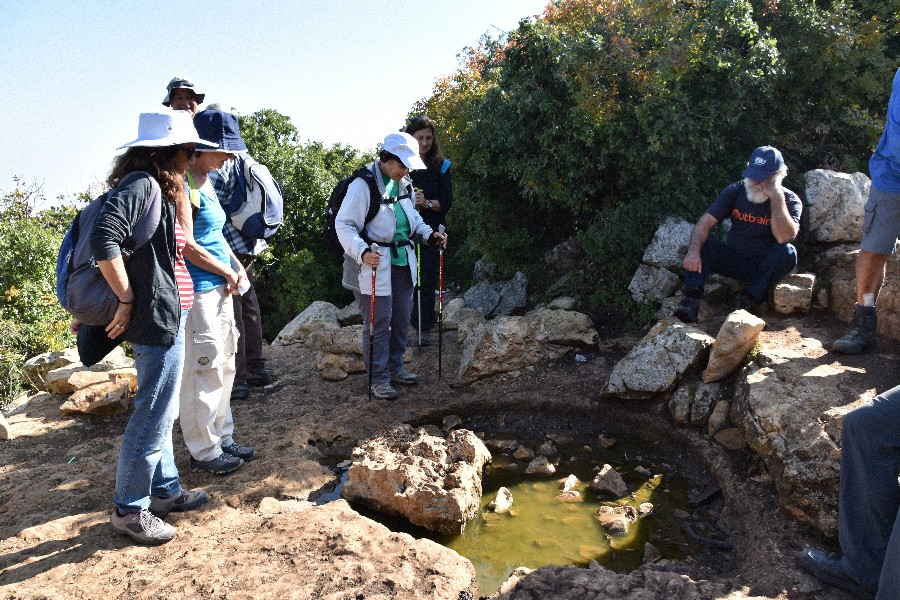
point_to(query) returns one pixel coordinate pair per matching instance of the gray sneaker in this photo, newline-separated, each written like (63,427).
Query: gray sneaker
(404,377)
(385,391)
(142,527)
(186,500)
(220,465)
(236,449)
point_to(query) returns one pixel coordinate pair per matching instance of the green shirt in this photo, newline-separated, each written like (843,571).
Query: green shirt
(401,233)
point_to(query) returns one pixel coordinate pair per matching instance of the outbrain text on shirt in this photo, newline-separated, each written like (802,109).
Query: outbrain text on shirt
(749,217)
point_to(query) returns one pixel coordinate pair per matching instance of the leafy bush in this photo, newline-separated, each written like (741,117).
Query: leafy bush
(601,118)
(31,320)
(297,269)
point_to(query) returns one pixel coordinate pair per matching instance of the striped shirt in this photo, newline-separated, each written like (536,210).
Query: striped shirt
(182,276)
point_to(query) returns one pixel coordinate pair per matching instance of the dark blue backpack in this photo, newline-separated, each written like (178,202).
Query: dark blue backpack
(257,205)
(80,286)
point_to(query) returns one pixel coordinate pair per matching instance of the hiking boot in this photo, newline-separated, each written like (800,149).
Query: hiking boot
(829,569)
(186,500)
(240,391)
(142,527)
(861,333)
(687,310)
(239,451)
(220,465)
(404,377)
(385,391)
(260,378)
(744,301)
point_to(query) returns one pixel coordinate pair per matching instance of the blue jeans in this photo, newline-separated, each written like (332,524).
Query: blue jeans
(761,271)
(391,325)
(869,510)
(146,460)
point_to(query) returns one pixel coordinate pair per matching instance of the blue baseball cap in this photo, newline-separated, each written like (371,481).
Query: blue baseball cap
(221,128)
(764,161)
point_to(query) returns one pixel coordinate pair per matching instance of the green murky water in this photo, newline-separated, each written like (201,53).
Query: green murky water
(541,530)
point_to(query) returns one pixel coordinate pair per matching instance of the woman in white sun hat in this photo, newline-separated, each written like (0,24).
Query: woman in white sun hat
(153,304)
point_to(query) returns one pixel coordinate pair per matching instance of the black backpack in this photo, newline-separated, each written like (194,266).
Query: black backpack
(334,204)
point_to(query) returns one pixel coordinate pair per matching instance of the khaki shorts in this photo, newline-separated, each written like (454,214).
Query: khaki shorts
(881,225)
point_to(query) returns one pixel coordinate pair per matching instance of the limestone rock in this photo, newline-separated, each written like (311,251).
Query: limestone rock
(548,449)
(318,315)
(794,293)
(465,321)
(333,374)
(451,422)
(568,484)
(655,364)
(540,466)
(343,340)
(269,507)
(704,399)
(502,502)
(103,398)
(608,482)
(433,482)
(652,284)
(735,339)
(504,446)
(651,553)
(6,432)
(349,363)
(669,245)
(483,271)
(349,315)
(680,402)
(731,438)
(834,205)
(511,343)
(616,519)
(67,380)
(718,419)
(36,368)
(523,453)
(563,256)
(562,303)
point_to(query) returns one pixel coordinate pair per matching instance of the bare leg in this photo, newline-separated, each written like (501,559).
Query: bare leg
(870,269)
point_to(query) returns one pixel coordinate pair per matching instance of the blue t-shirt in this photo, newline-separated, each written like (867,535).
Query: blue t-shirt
(884,166)
(208,233)
(751,223)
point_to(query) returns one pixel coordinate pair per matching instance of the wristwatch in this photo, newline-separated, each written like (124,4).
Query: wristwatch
(430,205)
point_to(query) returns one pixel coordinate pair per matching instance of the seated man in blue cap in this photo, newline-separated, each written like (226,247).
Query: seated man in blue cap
(765,217)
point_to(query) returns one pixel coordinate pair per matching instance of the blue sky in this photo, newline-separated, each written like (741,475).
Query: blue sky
(75,74)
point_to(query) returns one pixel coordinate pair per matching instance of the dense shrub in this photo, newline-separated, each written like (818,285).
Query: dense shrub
(31,320)
(600,118)
(296,270)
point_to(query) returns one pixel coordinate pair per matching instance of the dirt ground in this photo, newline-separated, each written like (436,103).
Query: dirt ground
(57,477)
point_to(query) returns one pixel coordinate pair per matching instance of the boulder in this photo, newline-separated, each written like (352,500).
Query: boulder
(6,432)
(562,303)
(483,271)
(608,482)
(349,315)
(103,398)
(513,295)
(669,244)
(563,256)
(67,380)
(510,343)
(791,416)
(568,484)
(735,339)
(704,400)
(652,284)
(680,402)
(465,321)
(36,368)
(656,363)
(616,519)
(834,205)
(318,315)
(483,297)
(794,293)
(433,482)
(718,419)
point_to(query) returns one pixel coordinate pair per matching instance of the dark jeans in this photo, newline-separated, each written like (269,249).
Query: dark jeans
(430,266)
(868,525)
(249,358)
(761,271)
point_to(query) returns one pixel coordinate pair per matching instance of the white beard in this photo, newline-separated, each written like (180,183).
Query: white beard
(754,192)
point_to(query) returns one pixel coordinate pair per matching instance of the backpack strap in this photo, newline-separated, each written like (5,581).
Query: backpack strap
(193,190)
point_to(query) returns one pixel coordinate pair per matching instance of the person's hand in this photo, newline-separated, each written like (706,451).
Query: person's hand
(74,326)
(421,202)
(692,262)
(232,280)
(441,238)
(121,321)
(372,259)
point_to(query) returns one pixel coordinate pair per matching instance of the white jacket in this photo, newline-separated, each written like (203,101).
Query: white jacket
(349,223)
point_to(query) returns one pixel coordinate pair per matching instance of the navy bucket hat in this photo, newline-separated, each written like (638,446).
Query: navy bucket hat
(764,161)
(219,127)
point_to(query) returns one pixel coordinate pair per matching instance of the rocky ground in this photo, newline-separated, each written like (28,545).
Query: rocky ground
(257,536)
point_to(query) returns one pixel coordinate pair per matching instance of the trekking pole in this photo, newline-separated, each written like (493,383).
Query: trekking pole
(419,290)
(374,249)
(440,302)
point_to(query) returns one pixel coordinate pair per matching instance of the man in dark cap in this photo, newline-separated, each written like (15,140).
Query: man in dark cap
(181,95)
(765,217)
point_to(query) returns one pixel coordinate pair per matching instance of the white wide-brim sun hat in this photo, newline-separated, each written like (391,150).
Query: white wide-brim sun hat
(170,128)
